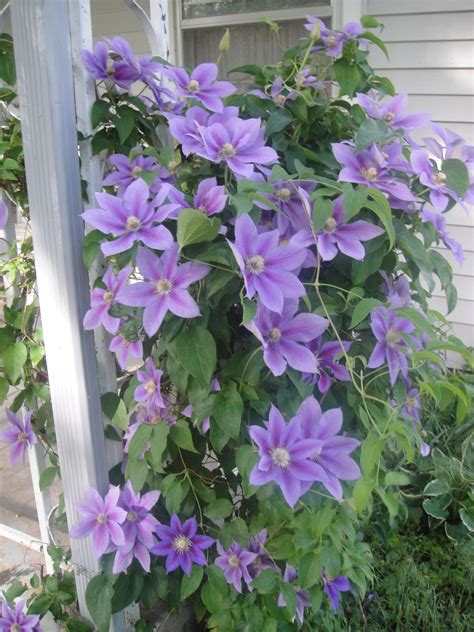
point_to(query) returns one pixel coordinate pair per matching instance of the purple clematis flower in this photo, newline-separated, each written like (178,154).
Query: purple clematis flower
(103,68)
(262,561)
(282,335)
(138,528)
(302,597)
(397,291)
(412,405)
(373,168)
(346,237)
(434,179)
(128,170)
(102,518)
(285,457)
(266,266)
(201,85)
(210,198)
(237,142)
(393,112)
(20,435)
(278,93)
(149,390)
(389,329)
(332,588)
(165,287)
(3,215)
(235,562)
(102,300)
(14,620)
(181,545)
(126,349)
(131,218)
(327,367)
(293,204)
(332,454)
(439,222)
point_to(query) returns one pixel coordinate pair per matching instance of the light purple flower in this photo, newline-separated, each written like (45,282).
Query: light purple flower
(165,287)
(131,218)
(279,94)
(138,528)
(237,142)
(293,203)
(210,198)
(20,435)
(425,449)
(187,129)
(262,561)
(332,453)
(345,237)
(128,170)
(389,329)
(432,178)
(304,78)
(282,335)
(439,222)
(302,597)
(103,68)
(102,518)
(266,266)
(201,85)
(397,291)
(373,167)
(332,588)
(412,405)
(126,349)
(181,545)
(102,300)
(235,562)
(14,620)
(3,215)
(393,111)
(285,457)
(327,367)
(149,389)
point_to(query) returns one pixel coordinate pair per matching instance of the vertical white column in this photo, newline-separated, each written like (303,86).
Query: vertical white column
(345,11)
(45,86)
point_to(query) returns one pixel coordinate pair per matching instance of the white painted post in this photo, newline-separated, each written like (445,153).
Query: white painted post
(345,11)
(42,499)
(45,86)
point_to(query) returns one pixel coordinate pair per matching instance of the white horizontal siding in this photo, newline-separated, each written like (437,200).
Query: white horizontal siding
(433,26)
(447,108)
(409,7)
(437,55)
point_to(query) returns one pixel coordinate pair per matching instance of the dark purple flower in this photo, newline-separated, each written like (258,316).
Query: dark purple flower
(165,287)
(131,218)
(262,561)
(181,545)
(285,457)
(149,389)
(332,453)
(3,215)
(282,335)
(202,85)
(128,170)
(103,68)
(389,329)
(373,167)
(397,291)
(237,142)
(432,178)
(439,222)
(235,562)
(327,367)
(347,237)
(302,597)
(393,112)
(14,620)
(126,349)
(20,435)
(138,528)
(210,198)
(266,266)
(102,518)
(102,300)
(332,588)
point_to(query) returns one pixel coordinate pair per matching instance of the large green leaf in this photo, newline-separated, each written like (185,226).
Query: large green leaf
(196,351)
(371,131)
(114,409)
(363,309)
(14,359)
(227,410)
(195,227)
(457,175)
(382,209)
(99,593)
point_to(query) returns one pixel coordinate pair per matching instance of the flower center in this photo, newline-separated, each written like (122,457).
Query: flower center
(227,151)
(22,437)
(110,67)
(163,286)
(101,519)
(389,117)
(280,457)
(369,173)
(332,40)
(255,264)
(193,85)
(439,178)
(233,561)
(411,404)
(156,420)
(16,627)
(283,194)
(280,99)
(132,516)
(108,296)
(182,544)
(150,387)
(136,171)
(330,225)
(392,338)
(202,209)
(133,223)
(274,335)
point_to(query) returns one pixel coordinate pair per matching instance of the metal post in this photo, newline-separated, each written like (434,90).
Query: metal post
(45,86)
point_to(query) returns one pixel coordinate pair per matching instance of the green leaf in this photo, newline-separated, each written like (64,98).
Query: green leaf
(412,247)
(363,309)
(266,582)
(369,22)
(136,472)
(362,492)
(114,409)
(309,570)
(4,386)
(467,516)
(190,583)
(158,445)
(277,121)
(99,593)
(322,211)
(139,441)
(371,450)
(127,589)
(180,434)
(347,75)
(383,211)
(99,111)
(196,351)
(36,355)
(220,508)
(353,200)
(457,175)
(371,131)
(397,478)
(418,319)
(47,477)
(249,310)
(227,410)
(375,40)
(436,507)
(14,359)
(124,121)
(91,247)
(289,597)
(436,487)
(195,227)
(16,589)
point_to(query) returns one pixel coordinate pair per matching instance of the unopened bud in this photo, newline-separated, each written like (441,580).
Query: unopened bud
(224,44)
(315,32)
